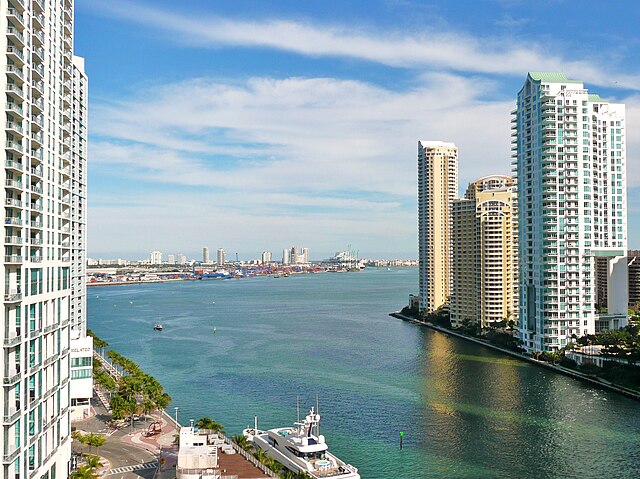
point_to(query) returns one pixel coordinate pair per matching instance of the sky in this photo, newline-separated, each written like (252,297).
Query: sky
(252,125)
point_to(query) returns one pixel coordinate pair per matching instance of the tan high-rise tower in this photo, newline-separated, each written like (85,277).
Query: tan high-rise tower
(484,267)
(437,188)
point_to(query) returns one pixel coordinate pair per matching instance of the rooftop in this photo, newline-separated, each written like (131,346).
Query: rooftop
(551,77)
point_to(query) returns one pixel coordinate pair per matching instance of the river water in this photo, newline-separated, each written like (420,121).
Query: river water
(232,349)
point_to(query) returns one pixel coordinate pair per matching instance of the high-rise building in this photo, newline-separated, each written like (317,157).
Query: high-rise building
(570,158)
(171,259)
(304,256)
(286,256)
(155,257)
(266,257)
(205,255)
(81,354)
(221,257)
(484,266)
(437,188)
(45,173)
(182,259)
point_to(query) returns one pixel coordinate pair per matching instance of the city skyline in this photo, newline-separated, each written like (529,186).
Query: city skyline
(241,145)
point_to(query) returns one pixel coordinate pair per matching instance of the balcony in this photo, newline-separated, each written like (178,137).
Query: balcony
(37,224)
(12,340)
(38,20)
(37,155)
(38,54)
(12,295)
(15,54)
(13,240)
(38,71)
(11,452)
(15,36)
(37,190)
(36,122)
(14,91)
(38,6)
(13,202)
(13,165)
(37,89)
(13,184)
(35,241)
(16,130)
(36,142)
(15,17)
(14,107)
(15,73)
(38,106)
(11,414)
(13,259)
(38,38)
(14,147)
(11,378)
(35,258)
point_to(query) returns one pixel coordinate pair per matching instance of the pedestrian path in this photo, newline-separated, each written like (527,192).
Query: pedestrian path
(135,467)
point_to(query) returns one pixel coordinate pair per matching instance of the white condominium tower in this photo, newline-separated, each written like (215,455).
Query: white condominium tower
(205,255)
(570,158)
(221,257)
(484,266)
(43,212)
(437,188)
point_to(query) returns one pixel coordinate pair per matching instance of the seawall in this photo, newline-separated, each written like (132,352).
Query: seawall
(559,369)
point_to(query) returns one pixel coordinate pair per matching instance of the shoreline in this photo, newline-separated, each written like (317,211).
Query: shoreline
(558,369)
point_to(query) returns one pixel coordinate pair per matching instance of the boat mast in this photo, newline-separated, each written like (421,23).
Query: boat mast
(298,407)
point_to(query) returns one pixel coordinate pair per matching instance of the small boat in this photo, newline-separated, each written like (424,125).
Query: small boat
(157,327)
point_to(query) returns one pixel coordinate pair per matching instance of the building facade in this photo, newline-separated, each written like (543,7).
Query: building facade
(81,386)
(437,188)
(266,257)
(44,191)
(221,257)
(570,158)
(205,255)
(634,278)
(484,265)
(155,257)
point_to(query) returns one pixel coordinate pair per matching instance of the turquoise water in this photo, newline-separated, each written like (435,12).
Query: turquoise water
(466,412)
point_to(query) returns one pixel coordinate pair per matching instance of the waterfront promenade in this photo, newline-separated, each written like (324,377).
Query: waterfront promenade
(555,367)
(131,450)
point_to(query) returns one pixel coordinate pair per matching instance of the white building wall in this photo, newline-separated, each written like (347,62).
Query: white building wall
(40,210)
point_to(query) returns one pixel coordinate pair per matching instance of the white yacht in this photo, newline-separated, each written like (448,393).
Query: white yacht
(302,448)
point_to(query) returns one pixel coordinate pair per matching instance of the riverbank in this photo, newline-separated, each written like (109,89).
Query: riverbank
(559,369)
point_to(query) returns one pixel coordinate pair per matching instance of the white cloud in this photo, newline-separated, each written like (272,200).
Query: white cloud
(448,50)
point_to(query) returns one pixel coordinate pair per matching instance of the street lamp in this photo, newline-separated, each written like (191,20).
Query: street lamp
(177,423)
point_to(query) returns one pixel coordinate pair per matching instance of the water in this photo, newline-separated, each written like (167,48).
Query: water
(466,411)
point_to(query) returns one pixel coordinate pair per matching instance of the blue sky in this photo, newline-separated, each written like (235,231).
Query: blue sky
(255,126)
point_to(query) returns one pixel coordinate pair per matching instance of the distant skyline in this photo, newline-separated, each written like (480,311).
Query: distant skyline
(255,126)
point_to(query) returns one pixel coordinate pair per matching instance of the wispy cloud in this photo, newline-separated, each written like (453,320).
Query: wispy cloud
(447,50)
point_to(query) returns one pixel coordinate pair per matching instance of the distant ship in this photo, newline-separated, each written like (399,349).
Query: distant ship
(302,448)
(157,327)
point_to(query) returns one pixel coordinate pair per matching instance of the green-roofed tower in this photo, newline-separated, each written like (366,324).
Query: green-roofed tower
(570,159)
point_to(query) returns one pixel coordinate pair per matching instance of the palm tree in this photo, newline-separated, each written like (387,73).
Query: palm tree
(94,462)
(261,456)
(208,423)
(241,441)
(97,441)
(84,472)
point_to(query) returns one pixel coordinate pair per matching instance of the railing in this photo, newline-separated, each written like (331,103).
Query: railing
(249,457)
(12,340)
